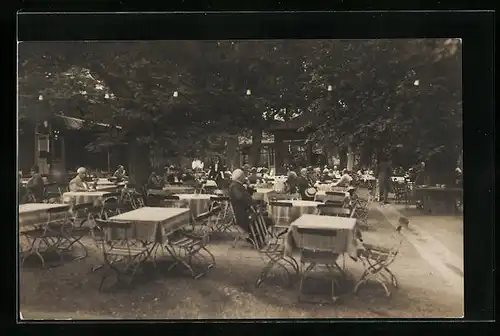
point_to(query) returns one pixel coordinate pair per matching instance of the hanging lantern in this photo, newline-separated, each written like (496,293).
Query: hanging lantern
(249,93)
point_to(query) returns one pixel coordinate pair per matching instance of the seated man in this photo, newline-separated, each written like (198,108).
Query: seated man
(36,185)
(345,179)
(241,200)
(78,183)
(119,174)
(252,177)
(154,181)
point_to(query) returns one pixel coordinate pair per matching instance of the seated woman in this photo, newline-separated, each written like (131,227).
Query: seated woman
(154,181)
(241,201)
(119,174)
(36,185)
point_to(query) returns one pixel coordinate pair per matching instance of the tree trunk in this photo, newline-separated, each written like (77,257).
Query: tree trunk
(256,147)
(350,157)
(232,152)
(343,157)
(139,164)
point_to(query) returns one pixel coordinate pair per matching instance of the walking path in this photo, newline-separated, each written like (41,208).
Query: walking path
(438,240)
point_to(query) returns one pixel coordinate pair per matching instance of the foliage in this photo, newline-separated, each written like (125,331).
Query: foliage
(373,102)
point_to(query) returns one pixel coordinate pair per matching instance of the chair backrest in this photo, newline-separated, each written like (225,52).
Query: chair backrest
(57,214)
(171,198)
(258,228)
(335,193)
(324,240)
(82,206)
(328,209)
(219,198)
(113,231)
(338,204)
(281,213)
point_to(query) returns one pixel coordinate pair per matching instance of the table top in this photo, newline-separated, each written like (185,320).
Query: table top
(324,222)
(86,193)
(323,192)
(301,203)
(264,190)
(438,189)
(149,214)
(31,207)
(174,187)
(194,196)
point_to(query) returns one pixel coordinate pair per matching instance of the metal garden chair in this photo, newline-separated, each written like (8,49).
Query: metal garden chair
(119,255)
(313,254)
(191,245)
(377,259)
(270,248)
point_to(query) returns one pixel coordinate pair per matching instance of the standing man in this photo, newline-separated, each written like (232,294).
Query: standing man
(384,179)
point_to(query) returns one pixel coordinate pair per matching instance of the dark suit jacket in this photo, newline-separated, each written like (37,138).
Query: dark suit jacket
(241,201)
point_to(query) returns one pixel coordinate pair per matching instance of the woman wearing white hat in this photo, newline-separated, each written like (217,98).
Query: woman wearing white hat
(241,200)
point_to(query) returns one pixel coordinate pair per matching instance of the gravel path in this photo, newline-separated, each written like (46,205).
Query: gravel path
(228,291)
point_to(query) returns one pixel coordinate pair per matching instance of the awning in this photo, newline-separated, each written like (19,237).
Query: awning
(76,124)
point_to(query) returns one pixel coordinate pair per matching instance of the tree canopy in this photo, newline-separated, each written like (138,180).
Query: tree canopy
(184,95)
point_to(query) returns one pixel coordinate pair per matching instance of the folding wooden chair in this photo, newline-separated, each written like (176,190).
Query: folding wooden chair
(173,201)
(155,201)
(111,206)
(119,255)
(271,250)
(282,215)
(132,197)
(54,192)
(377,259)
(47,237)
(224,221)
(189,245)
(332,209)
(313,254)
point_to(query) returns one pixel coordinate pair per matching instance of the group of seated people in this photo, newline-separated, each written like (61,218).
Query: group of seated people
(242,187)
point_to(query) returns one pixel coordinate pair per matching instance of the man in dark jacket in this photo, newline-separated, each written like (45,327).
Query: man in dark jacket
(384,179)
(36,185)
(241,200)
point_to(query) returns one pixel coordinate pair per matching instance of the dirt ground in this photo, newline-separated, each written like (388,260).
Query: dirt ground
(228,291)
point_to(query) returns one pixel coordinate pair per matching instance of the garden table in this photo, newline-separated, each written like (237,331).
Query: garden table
(344,242)
(263,194)
(322,196)
(153,224)
(437,200)
(198,203)
(80,197)
(36,213)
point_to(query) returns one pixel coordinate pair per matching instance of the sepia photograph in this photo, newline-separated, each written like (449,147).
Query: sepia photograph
(240,179)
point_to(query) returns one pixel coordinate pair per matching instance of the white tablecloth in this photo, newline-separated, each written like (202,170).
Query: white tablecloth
(80,197)
(322,196)
(344,242)
(198,203)
(36,213)
(152,224)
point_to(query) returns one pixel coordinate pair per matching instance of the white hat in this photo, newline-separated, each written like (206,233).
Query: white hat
(81,170)
(238,175)
(326,170)
(310,192)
